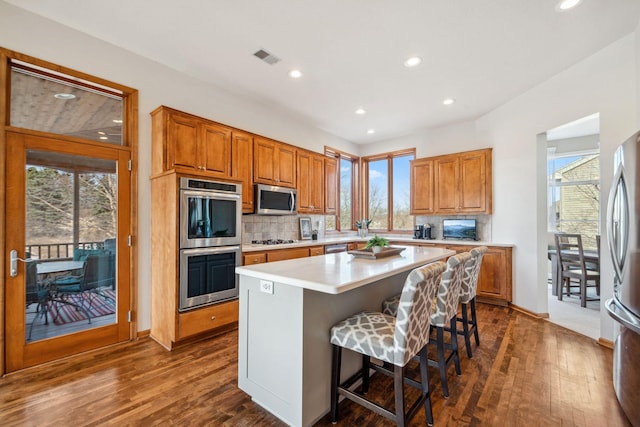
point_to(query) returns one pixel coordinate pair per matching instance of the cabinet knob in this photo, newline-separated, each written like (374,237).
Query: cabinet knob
(213,317)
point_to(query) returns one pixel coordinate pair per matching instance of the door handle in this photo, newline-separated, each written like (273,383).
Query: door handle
(13,257)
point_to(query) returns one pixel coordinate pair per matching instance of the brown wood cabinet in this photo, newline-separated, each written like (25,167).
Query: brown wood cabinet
(274,163)
(168,326)
(330,186)
(495,281)
(422,187)
(462,183)
(311,182)
(250,258)
(454,184)
(189,144)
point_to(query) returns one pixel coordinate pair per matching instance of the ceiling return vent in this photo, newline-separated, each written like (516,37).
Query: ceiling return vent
(267,57)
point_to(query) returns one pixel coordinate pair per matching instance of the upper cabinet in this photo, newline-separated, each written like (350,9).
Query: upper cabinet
(461,184)
(188,144)
(274,163)
(330,185)
(311,181)
(422,187)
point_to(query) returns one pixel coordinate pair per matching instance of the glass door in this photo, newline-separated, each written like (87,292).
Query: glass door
(66,224)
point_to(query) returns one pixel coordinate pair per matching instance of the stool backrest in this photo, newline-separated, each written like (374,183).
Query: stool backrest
(449,290)
(471,272)
(414,311)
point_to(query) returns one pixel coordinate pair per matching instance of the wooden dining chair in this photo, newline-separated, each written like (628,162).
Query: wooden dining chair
(573,268)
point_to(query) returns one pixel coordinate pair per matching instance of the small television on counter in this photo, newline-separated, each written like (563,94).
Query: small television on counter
(459,229)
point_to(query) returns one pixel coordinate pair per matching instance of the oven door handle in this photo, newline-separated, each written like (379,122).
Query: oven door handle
(210,250)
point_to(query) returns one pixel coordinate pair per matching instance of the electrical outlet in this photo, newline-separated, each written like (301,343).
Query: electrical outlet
(266,286)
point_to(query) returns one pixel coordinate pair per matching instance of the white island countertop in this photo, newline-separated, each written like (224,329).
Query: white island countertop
(341,272)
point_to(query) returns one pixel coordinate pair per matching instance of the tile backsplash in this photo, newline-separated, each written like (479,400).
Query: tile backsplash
(286,227)
(483,225)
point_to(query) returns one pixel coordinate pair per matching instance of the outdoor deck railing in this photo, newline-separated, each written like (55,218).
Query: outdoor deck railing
(57,251)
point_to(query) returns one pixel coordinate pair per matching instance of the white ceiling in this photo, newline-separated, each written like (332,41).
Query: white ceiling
(480,52)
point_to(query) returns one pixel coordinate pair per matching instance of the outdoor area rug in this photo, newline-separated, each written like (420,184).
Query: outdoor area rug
(95,304)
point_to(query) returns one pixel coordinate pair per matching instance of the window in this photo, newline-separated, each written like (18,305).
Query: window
(574,194)
(347,192)
(387,197)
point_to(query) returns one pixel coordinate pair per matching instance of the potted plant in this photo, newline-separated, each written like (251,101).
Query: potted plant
(376,243)
(362,225)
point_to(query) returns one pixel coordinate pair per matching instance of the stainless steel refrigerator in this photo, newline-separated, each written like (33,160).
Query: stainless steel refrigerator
(623,231)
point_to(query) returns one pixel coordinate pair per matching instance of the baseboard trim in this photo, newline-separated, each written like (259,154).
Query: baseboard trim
(605,343)
(529,312)
(143,334)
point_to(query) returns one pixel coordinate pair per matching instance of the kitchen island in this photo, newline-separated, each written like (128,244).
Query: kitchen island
(287,309)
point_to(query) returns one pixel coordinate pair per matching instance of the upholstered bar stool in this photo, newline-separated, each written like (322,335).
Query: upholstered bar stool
(393,340)
(444,316)
(468,290)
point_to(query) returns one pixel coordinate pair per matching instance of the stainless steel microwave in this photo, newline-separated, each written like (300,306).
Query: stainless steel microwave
(272,200)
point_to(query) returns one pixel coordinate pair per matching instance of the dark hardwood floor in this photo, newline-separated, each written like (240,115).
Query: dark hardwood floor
(526,372)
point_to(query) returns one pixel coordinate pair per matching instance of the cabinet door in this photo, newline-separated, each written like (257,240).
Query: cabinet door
(446,173)
(286,166)
(182,144)
(421,187)
(304,182)
(473,182)
(216,150)
(495,275)
(242,167)
(317,184)
(331,186)
(264,151)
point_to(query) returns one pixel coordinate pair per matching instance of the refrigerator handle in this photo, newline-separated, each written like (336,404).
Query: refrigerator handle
(617,223)
(622,315)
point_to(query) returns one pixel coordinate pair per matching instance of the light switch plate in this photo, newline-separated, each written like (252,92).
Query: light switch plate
(266,286)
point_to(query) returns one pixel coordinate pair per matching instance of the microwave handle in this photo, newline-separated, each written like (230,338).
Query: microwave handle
(292,202)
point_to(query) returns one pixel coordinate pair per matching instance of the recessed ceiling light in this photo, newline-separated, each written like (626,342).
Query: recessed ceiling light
(448,101)
(413,61)
(296,74)
(361,111)
(64,96)
(117,120)
(370,131)
(567,4)
(101,133)
(104,137)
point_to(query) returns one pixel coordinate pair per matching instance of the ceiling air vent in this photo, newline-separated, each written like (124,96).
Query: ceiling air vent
(267,57)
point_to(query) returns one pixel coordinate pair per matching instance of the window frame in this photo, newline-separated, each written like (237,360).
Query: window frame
(389,157)
(355,187)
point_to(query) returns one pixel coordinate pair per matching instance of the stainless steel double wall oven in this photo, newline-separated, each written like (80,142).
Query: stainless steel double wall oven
(210,238)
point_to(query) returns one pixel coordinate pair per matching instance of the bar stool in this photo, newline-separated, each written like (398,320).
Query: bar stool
(468,290)
(392,340)
(446,310)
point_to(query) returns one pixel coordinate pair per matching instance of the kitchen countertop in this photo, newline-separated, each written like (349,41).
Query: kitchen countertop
(346,239)
(341,272)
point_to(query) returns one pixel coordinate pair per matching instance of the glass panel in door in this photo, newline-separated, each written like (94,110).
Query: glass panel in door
(70,238)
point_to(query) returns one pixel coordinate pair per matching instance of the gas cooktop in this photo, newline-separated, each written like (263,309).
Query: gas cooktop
(272,242)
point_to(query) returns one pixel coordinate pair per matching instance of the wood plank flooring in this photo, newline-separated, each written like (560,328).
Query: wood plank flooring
(526,372)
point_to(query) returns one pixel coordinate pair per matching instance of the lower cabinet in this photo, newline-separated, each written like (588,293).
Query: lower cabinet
(495,280)
(207,318)
(250,258)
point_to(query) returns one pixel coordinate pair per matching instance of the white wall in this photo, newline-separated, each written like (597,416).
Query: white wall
(157,85)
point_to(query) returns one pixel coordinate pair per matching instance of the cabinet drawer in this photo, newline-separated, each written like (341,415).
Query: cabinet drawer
(207,318)
(316,250)
(287,254)
(257,258)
